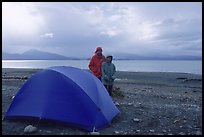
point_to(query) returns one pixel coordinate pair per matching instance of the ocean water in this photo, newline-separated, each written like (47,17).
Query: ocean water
(182,66)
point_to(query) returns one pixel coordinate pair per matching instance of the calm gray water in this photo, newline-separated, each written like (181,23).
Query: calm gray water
(121,65)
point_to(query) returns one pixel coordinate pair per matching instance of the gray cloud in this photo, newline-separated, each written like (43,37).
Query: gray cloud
(77,28)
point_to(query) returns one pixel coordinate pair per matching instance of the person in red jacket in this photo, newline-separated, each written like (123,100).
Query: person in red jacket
(96,62)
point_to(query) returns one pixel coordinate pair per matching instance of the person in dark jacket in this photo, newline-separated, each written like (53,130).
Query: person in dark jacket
(96,62)
(108,73)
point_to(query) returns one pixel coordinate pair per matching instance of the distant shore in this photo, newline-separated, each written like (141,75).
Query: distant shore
(151,103)
(178,66)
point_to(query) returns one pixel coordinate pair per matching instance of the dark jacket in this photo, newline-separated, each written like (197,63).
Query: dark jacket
(108,72)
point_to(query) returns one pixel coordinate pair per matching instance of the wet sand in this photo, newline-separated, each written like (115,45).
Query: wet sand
(151,103)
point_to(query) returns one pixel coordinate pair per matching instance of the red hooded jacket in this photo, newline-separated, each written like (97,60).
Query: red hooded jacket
(95,63)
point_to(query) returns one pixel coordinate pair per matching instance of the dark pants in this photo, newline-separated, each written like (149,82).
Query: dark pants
(109,89)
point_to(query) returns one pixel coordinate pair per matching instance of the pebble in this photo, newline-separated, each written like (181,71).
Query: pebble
(137,130)
(164,131)
(95,133)
(136,120)
(125,133)
(175,121)
(13,97)
(116,132)
(135,105)
(151,130)
(117,104)
(198,133)
(189,126)
(169,134)
(30,129)
(129,104)
(160,134)
(49,131)
(181,133)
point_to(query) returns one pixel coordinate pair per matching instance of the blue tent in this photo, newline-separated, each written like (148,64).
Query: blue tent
(66,94)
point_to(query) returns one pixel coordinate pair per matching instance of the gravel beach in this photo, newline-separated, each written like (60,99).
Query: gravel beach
(150,103)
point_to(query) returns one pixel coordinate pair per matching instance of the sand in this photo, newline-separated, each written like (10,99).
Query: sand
(150,103)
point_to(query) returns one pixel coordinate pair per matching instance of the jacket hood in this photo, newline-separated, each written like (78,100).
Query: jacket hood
(109,56)
(98,49)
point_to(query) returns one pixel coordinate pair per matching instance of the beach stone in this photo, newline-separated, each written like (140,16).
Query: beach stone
(175,121)
(136,120)
(160,134)
(129,104)
(169,134)
(117,104)
(164,131)
(116,132)
(94,133)
(49,131)
(198,133)
(189,126)
(30,129)
(125,133)
(26,129)
(122,103)
(181,133)
(137,130)
(151,130)
(25,77)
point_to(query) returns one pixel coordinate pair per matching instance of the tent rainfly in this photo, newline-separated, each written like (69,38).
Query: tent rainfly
(65,94)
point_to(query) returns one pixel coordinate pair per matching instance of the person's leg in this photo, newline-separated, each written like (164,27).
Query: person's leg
(107,88)
(110,87)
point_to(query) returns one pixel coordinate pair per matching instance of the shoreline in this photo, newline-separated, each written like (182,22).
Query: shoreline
(151,103)
(36,69)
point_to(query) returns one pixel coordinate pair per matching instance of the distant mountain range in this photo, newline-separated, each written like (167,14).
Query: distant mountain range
(34,55)
(40,55)
(126,56)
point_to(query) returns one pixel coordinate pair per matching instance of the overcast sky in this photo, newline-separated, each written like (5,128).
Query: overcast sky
(76,29)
